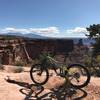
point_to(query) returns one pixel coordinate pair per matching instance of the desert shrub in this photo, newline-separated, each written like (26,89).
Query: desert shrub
(87,61)
(1,67)
(91,64)
(35,61)
(13,69)
(19,63)
(18,66)
(17,69)
(97,71)
(98,59)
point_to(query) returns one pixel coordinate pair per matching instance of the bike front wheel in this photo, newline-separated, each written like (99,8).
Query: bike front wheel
(78,75)
(38,74)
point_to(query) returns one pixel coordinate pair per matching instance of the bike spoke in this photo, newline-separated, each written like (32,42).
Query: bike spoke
(76,75)
(38,74)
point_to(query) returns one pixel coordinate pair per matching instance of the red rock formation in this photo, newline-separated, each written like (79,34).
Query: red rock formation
(21,49)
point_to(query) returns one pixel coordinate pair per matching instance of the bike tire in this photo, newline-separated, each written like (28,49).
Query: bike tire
(87,74)
(36,66)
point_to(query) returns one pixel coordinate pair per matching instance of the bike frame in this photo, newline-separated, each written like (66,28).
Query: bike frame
(56,64)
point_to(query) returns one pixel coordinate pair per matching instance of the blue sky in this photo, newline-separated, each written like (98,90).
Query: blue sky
(49,17)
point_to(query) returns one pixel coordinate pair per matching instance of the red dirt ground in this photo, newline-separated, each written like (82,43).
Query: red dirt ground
(18,86)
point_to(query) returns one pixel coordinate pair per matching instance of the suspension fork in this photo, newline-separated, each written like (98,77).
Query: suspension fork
(54,68)
(41,69)
(65,70)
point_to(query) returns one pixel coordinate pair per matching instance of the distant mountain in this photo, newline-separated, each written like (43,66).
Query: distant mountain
(29,35)
(86,41)
(34,36)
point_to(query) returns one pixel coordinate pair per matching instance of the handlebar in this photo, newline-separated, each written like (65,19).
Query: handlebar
(50,58)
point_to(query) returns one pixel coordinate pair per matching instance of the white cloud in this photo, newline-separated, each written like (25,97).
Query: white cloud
(49,31)
(77,30)
(31,30)
(14,30)
(45,30)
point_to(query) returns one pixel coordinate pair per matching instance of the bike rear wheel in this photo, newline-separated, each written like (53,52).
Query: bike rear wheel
(38,74)
(78,75)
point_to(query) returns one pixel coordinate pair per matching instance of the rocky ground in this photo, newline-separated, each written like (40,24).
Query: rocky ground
(18,86)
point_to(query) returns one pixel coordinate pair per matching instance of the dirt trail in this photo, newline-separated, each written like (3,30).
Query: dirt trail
(95,81)
(20,88)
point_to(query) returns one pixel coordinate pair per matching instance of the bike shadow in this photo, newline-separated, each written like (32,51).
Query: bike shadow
(36,92)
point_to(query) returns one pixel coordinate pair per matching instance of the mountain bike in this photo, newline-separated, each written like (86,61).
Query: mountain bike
(77,74)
